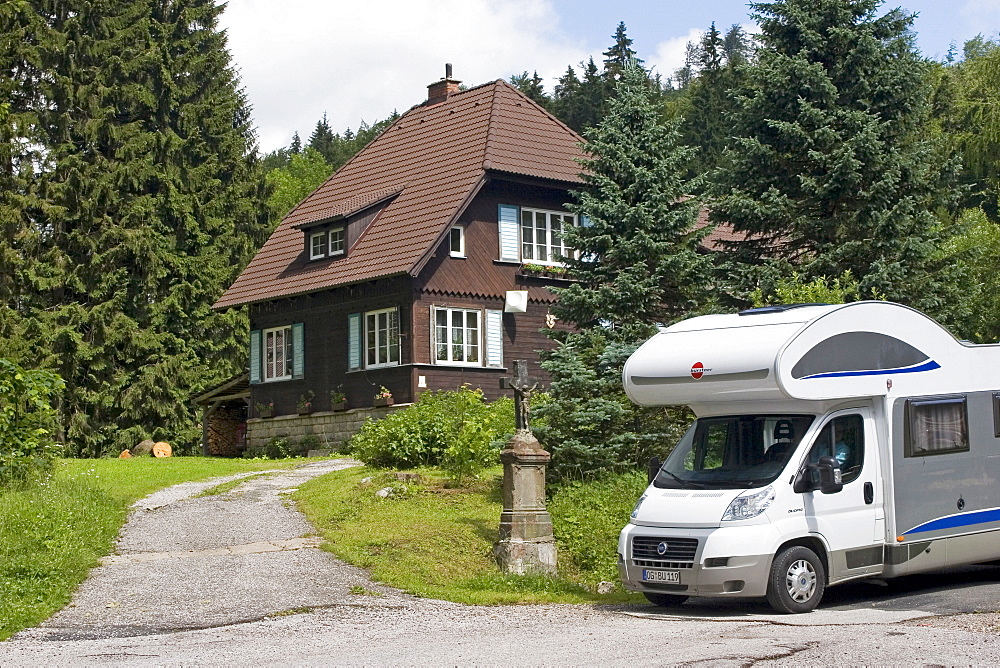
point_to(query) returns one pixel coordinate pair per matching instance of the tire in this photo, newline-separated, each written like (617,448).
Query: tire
(797,580)
(664,600)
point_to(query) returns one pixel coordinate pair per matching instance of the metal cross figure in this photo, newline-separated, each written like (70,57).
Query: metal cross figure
(523,387)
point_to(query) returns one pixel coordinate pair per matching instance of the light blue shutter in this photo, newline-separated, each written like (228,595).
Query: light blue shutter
(255,356)
(586,222)
(298,351)
(354,341)
(507,219)
(494,338)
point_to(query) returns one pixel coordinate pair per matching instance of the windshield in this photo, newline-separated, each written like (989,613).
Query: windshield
(734,452)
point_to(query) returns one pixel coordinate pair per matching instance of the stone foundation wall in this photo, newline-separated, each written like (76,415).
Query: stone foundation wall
(331,429)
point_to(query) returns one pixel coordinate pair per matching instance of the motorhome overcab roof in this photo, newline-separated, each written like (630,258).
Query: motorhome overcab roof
(810,352)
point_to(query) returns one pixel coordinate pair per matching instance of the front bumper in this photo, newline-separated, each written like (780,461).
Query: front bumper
(728,561)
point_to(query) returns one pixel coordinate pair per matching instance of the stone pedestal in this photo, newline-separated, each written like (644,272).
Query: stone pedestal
(526,542)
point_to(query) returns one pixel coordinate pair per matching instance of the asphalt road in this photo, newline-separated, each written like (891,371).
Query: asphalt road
(237,578)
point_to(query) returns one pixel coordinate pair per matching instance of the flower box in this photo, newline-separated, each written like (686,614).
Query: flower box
(380,402)
(338,406)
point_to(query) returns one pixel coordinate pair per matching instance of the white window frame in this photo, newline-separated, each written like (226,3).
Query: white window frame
(375,335)
(340,235)
(453,252)
(472,339)
(313,239)
(546,227)
(269,337)
(334,242)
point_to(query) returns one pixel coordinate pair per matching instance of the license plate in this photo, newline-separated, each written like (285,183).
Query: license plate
(661,576)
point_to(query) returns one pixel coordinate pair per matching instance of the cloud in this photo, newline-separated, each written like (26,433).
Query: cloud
(361,60)
(670,54)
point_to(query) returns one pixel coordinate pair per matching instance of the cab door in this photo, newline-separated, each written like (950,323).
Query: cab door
(850,519)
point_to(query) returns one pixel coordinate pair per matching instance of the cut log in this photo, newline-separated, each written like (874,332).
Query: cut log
(162,449)
(125,454)
(144,449)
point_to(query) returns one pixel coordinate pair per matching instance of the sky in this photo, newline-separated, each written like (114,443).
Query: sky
(360,61)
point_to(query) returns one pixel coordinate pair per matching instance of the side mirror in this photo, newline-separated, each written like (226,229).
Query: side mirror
(652,468)
(830,481)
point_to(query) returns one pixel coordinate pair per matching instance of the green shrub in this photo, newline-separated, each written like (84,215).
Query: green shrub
(276,448)
(26,422)
(587,518)
(457,430)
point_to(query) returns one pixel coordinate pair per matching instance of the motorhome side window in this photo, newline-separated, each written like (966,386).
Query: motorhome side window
(843,438)
(936,426)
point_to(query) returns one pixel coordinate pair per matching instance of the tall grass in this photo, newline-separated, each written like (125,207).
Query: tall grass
(52,533)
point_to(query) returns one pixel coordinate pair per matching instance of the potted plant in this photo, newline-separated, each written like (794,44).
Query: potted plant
(338,399)
(304,404)
(265,410)
(383,398)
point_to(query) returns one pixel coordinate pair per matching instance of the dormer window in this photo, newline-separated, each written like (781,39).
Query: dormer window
(318,246)
(337,241)
(326,243)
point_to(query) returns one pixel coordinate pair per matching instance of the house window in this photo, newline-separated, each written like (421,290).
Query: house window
(382,338)
(936,426)
(457,336)
(542,235)
(457,241)
(278,353)
(317,245)
(337,241)
(326,243)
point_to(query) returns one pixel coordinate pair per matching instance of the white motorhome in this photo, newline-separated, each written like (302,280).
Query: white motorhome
(832,442)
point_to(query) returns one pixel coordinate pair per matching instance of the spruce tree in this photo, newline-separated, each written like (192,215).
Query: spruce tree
(832,170)
(531,85)
(706,107)
(147,203)
(322,139)
(637,264)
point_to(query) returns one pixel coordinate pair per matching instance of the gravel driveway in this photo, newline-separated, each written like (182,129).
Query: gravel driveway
(237,578)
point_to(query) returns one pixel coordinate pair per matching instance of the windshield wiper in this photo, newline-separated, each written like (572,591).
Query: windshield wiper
(682,481)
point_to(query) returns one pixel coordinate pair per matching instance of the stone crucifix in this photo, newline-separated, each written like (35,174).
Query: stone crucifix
(526,543)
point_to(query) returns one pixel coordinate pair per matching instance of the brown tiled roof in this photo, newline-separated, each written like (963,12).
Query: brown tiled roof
(433,159)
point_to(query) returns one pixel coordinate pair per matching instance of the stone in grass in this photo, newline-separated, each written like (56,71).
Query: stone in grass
(605,587)
(385,492)
(144,449)
(408,477)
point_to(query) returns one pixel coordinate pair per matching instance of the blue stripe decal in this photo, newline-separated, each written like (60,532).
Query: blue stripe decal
(929,365)
(955,521)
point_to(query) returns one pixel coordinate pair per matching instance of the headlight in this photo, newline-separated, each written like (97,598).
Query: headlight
(748,505)
(635,510)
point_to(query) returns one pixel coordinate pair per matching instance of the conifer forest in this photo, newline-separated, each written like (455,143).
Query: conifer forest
(133,191)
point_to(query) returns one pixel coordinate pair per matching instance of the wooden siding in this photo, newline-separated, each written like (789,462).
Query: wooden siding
(324,317)
(480,273)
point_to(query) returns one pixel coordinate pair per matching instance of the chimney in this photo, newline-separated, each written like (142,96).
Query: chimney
(439,91)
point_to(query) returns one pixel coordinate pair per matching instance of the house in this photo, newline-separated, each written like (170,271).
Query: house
(418,265)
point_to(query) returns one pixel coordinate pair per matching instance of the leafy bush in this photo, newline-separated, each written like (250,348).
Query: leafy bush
(276,448)
(26,421)
(457,430)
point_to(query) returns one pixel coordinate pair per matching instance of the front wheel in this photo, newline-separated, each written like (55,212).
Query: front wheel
(797,580)
(664,600)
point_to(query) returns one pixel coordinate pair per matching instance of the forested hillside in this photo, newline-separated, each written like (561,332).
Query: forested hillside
(132,191)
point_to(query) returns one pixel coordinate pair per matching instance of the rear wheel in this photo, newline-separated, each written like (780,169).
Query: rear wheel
(797,580)
(664,600)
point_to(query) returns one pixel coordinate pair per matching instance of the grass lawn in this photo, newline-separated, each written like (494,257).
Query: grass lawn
(53,533)
(435,541)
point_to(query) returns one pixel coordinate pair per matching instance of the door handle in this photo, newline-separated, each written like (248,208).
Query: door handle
(869,493)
